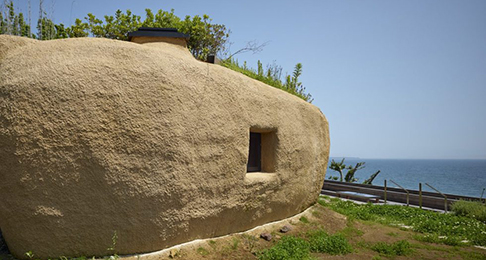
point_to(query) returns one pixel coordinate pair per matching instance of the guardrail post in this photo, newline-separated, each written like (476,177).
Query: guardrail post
(385,192)
(408,193)
(420,195)
(443,195)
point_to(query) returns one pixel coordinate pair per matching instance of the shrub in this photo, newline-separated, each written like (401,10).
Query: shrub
(321,242)
(288,248)
(471,209)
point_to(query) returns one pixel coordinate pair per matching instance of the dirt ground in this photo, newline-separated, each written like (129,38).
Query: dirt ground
(360,234)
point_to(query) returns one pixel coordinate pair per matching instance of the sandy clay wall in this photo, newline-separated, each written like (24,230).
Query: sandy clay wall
(98,136)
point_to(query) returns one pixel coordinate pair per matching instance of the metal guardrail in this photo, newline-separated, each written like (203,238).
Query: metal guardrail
(428,199)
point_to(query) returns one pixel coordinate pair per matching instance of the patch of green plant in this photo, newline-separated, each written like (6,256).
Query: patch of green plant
(469,255)
(111,249)
(316,214)
(272,77)
(304,220)
(235,243)
(431,238)
(453,252)
(202,251)
(455,228)
(321,242)
(29,254)
(399,248)
(350,231)
(392,234)
(322,202)
(288,248)
(212,244)
(471,209)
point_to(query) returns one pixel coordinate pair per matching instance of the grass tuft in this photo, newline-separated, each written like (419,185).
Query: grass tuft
(395,249)
(304,220)
(202,251)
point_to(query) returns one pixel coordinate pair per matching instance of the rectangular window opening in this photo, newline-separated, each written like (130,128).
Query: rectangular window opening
(255,153)
(261,154)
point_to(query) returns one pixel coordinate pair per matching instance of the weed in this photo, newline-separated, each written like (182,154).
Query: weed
(272,77)
(288,248)
(322,202)
(376,257)
(392,234)
(468,255)
(431,238)
(304,220)
(321,242)
(235,243)
(453,241)
(114,238)
(350,231)
(398,248)
(29,254)
(316,214)
(202,251)
(212,244)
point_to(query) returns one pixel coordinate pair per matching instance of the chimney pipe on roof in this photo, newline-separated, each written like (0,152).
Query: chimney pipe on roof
(149,34)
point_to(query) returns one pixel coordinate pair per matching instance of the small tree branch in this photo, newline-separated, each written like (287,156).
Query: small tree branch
(251,46)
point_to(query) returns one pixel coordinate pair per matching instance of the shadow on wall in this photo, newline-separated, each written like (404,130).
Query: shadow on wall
(3,246)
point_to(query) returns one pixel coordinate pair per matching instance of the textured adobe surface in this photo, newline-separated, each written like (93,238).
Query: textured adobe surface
(98,136)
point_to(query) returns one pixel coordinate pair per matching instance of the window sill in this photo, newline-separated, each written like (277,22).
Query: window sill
(260,177)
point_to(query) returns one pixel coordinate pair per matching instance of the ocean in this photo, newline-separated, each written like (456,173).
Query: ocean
(460,177)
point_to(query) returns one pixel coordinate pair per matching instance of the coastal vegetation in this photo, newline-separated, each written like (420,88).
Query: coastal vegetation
(446,228)
(206,38)
(272,76)
(471,209)
(340,167)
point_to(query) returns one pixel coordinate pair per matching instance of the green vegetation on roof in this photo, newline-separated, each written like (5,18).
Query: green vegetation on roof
(272,76)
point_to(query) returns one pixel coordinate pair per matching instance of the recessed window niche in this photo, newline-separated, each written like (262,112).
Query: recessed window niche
(261,154)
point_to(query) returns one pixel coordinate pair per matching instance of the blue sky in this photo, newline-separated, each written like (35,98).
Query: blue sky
(396,79)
